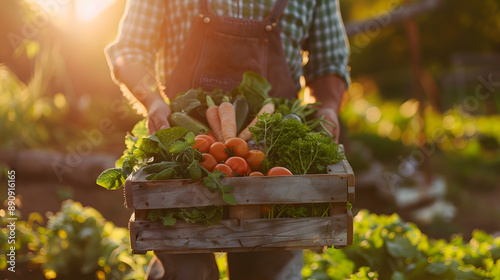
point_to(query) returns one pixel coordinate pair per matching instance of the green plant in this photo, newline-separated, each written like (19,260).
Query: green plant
(78,243)
(392,249)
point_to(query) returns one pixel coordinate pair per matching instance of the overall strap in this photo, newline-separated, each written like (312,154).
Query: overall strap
(203,7)
(277,11)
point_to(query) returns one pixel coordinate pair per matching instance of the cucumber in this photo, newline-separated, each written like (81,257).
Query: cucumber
(186,121)
(241,108)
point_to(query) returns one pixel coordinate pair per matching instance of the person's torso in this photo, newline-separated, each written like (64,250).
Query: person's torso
(294,24)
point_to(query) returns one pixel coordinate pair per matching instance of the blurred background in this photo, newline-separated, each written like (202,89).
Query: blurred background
(420,122)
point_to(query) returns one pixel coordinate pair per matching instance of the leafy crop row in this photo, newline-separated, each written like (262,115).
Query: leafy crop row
(385,247)
(78,242)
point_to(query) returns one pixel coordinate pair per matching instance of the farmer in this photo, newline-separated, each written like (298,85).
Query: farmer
(166,47)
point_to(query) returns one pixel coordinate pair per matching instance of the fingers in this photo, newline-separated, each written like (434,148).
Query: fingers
(157,118)
(156,122)
(330,115)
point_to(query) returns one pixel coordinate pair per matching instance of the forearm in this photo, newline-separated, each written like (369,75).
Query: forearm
(141,83)
(328,90)
(139,80)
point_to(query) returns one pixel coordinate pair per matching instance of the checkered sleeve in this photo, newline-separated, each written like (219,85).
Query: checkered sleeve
(139,35)
(327,43)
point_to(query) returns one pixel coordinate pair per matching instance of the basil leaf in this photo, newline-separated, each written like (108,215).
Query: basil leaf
(153,215)
(215,218)
(168,219)
(186,101)
(169,135)
(140,130)
(190,138)
(195,171)
(210,183)
(179,147)
(111,179)
(164,175)
(229,198)
(145,146)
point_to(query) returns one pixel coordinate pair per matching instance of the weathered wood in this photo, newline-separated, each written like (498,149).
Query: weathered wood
(350,227)
(127,192)
(244,211)
(244,230)
(350,181)
(338,208)
(247,191)
(133,234)
(241,235)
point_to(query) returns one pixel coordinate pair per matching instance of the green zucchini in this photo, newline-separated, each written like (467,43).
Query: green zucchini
(186,121)
(241,109)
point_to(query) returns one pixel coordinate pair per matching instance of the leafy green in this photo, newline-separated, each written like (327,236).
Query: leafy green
(292,144)
(166,137)
(286,106)
(213,183)
(186,101)
(292,211)
(140,130)
(209,215)
(255,89)
(168,154)
(306,113)
(111,179)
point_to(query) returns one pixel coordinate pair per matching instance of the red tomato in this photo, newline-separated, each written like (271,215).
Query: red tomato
(238,165)
(255,158)
(208,162)
(256,173)
(238,146)
(279,171)
(209,138)
(218,150)
(224,169)
(211,135)
(202,144)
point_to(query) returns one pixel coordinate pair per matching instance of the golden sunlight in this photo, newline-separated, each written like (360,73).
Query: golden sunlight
(86,10)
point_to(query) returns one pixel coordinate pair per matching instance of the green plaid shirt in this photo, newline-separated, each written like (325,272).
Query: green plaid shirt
(154,32)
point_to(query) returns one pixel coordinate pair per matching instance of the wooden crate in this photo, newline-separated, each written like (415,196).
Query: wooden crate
(243,234)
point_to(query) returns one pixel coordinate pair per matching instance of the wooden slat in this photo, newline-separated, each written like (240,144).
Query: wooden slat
(241,235)
(246,190)
(350,227)
(351,195)
(237,250)
(129,198)
(133,235)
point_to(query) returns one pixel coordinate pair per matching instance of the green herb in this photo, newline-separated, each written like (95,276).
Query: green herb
(292,144)
(292,211)
(305,112)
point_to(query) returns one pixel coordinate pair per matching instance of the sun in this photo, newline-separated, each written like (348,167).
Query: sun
(86,10)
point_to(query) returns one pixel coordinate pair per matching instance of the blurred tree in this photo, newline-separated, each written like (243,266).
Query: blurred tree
(459,26)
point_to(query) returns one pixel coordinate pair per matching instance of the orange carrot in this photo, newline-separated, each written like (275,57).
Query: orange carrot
(245,134)
(227,117)
(212,115)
